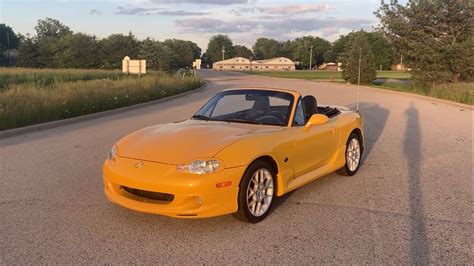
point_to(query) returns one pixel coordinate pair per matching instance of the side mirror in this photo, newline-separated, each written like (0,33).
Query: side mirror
(316,120)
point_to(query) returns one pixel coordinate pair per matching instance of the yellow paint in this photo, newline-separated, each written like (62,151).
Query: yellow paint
(147,160)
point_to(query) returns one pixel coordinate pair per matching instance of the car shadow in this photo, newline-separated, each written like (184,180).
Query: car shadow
(419,251)
(375,119)
(278,201)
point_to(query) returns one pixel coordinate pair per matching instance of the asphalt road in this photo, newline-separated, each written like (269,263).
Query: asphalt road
(411,202)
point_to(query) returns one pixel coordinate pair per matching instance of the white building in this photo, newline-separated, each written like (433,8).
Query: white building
(244,64)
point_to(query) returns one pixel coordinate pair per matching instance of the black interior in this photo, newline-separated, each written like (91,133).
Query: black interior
(260,113)
(263,113)
(310,107)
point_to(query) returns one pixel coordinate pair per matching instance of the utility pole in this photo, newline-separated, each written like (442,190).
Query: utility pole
(311,58)
(250,59)
(8,49)
(401,61)
(358,79)
(223,52)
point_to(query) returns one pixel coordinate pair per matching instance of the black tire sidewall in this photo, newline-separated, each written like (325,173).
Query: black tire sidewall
(242,198)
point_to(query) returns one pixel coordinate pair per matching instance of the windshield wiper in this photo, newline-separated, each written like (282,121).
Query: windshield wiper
(200,117)
(236,120)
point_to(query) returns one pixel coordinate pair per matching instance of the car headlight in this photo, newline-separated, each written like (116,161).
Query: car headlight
(113,153)
(200,167)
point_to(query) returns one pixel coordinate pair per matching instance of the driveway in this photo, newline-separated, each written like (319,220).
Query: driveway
(411,201)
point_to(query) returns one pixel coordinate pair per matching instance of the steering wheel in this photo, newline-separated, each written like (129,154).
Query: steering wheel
(279,115)
(273,118)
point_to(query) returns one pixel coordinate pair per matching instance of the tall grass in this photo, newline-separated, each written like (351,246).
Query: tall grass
(29,103)
(456,92)
(46,77)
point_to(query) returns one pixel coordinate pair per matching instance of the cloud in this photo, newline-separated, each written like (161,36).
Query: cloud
(272,26)
(299,9)
(284,10)
(210,25)
(134,10)
(155,11)
(95,12)
(329,31)
(182,13)
(205,2)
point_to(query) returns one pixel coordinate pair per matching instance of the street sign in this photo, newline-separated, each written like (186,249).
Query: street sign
(133,66)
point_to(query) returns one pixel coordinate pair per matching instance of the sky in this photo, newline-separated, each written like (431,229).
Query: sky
(197,20)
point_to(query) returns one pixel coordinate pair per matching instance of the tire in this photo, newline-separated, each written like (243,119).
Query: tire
(352,155)
(258,185)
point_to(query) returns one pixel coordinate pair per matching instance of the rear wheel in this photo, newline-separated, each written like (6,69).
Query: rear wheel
(353,155)
(256,193)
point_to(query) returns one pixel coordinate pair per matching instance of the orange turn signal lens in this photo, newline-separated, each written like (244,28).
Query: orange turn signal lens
(223,184)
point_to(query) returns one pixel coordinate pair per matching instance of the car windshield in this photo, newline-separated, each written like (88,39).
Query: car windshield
(248,106)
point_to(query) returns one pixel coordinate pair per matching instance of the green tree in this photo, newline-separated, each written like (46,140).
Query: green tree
(28,52)
(51,28)
(158,56)
(243,51)
(302,50)
(434,37)
(205,61)
(8,40)
(48,33)
(337,49)
(47,49)
(381,49)
(265,48)
(186,51)
(215,45)
(358,47)
(77,50)
(286,49)
(379,45)
(114,48)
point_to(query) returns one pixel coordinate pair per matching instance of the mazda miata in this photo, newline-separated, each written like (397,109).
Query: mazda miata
(240,151)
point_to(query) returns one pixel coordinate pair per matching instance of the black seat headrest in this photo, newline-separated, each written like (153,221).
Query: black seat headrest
(310,106)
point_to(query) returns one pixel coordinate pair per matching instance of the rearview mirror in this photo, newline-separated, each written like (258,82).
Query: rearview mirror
(317,119)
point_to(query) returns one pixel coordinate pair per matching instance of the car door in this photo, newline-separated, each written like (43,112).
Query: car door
(314,146)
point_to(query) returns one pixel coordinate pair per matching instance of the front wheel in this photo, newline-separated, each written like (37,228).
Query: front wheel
(256,192)
(353,155)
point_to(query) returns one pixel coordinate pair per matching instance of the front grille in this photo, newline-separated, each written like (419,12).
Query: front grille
(149,194)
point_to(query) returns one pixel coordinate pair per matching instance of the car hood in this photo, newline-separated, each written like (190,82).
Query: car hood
(183,142)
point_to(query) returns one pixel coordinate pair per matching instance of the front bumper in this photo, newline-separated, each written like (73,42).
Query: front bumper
(193,195)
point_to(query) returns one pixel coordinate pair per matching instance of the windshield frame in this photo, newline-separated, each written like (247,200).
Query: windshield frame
(240,91)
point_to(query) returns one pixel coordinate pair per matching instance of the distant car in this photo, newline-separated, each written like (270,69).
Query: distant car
(243,148)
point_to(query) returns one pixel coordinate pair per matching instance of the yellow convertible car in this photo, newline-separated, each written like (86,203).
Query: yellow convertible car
(242,149)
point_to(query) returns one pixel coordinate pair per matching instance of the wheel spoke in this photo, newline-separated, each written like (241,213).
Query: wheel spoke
(257,210)
(353,154)
(260,192)
(267,183)
(251,193)
(252,203)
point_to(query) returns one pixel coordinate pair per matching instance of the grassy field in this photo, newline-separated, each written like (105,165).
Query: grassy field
(326,75)
(392,80)
(458,92)
(45,77)
(31,96)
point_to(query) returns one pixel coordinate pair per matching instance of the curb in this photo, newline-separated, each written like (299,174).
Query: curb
(53,124)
